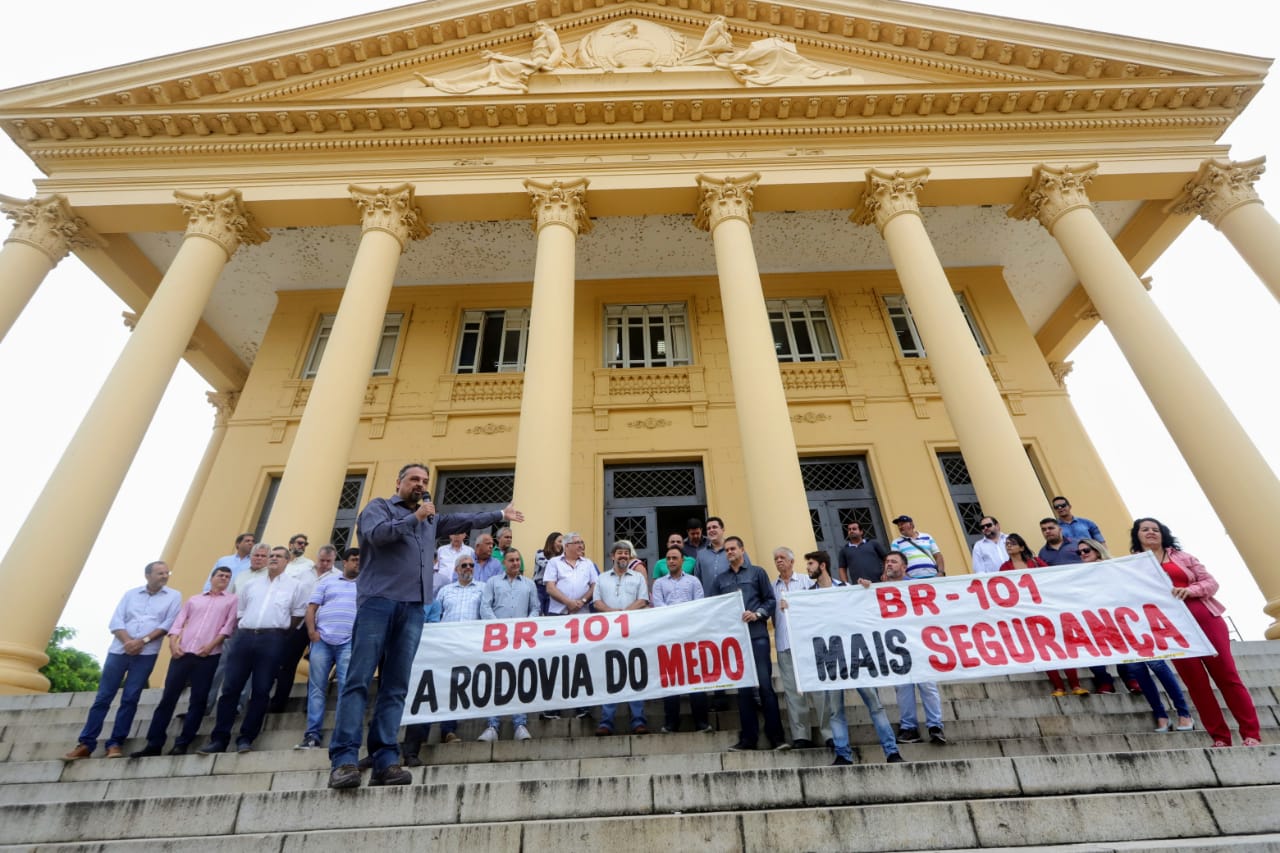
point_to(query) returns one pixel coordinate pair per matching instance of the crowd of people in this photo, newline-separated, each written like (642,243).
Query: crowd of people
(263,608)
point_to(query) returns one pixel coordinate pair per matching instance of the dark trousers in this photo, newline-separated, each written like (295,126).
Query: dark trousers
(768,699)
(295,646)
(255,657)
(189,669)
(671,710)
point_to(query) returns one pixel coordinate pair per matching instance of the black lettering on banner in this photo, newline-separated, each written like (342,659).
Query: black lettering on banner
(504,683)
(581,677)
(615,671)
(426,693)
(482,686)
(527,681)
(459,678)
(548,669)
(638,669)
(896,642)
(828,658)
(860,656)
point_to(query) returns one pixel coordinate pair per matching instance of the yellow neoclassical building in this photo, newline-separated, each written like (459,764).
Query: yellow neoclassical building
(793,264)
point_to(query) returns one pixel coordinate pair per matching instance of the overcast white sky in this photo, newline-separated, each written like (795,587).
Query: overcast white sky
(54,359)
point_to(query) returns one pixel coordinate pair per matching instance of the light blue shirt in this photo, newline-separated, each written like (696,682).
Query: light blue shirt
(509,599)
(234,562)
(460,603)
(1080,528)
(139,613)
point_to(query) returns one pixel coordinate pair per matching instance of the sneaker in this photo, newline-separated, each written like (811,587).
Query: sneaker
(1251,741)
(147,751)
(81,751)
(211,747)
(936,735)
(802,743)
(908,736)
(345,776)
(782,747)
(894,758)
(706,729)
(522,733)
(309,742)
(583,714)
(640,730)
(393,775)
(1079,691)
(603,731)
(742,747)
(550,715)
(841,761)
(451,737)
(115,752)
(489,735)
(666,730)
(243,747)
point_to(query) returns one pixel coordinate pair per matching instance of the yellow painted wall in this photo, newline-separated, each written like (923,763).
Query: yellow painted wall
(872,414)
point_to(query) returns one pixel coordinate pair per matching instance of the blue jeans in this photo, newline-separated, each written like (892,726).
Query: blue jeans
(516,720)
(879,719)
(768,699)
(1141,672)
(129,671)
(385,631)
(254,658)
(188,669)
(324,657)
(608,712)
(929,697)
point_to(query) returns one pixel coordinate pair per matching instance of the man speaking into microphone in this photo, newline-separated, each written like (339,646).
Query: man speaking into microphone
(397,548)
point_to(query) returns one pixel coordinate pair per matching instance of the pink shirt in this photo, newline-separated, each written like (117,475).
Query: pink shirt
(204,617)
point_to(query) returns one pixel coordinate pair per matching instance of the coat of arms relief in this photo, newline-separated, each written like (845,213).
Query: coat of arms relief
(638,45)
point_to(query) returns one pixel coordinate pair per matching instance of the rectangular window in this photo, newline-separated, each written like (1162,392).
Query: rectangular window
(386,345)
(801,330)
(904,327)
(344,518)
(646,335)
(493,341)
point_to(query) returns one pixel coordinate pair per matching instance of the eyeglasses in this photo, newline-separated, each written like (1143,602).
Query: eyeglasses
(466,565)
(1084,549)
(574,542)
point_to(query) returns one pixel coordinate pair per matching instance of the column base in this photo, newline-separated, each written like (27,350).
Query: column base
(1272,609)
(20,670)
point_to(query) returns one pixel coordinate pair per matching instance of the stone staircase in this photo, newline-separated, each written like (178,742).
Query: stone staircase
(1023,770)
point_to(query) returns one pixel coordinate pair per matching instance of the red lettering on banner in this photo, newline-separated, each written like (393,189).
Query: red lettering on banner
(1144,647)
(1075,638)
(1044,637)
(1023,654)
(963,646)
(935,640)
(524,633)
(734,664)
(691,663)
(671,664)
(1162,628)
(991,652)
(1103,628)
(890,600)
(922,595)
(710,655)
(495,637)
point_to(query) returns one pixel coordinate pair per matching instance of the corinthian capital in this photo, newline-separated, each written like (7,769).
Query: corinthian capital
(560,203)
(222,218)
(1054,192)
(721,199)
(390,209)
(888,195)
(1219,188)
(49,225)
(224,405)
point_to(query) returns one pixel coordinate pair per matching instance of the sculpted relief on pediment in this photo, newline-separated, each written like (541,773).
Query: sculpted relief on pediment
(635,45)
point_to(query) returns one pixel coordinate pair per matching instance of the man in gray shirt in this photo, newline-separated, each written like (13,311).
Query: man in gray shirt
(509,595)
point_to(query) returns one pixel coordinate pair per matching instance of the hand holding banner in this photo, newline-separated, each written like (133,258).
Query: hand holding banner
(973,626)
(519,666)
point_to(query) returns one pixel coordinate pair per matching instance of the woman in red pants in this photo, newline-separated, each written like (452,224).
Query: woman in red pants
(1194,585)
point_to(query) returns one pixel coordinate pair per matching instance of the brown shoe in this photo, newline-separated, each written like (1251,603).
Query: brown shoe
(81,751)
(393,775)
(115,752)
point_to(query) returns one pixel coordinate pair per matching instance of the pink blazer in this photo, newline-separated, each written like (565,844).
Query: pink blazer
(1202,585)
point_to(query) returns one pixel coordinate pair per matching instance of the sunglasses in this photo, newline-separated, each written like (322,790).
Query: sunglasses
(466,565)
(1084,549)
(987,525)
(1061,506)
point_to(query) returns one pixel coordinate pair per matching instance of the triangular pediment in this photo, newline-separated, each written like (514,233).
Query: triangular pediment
(384,71)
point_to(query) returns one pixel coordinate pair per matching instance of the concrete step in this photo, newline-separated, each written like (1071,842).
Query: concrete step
(1046,799)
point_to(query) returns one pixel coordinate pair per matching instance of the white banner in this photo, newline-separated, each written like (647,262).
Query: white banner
(975,626)
(519,666)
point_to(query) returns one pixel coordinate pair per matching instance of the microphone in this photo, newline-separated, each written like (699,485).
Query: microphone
(426,496)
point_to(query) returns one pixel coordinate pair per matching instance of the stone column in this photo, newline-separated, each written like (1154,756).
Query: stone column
(1223,194)
(224,403)
(44,231)
(775,489)
(544,440)
(317,465)
(1234,475)
(1002,475)
(60,530)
